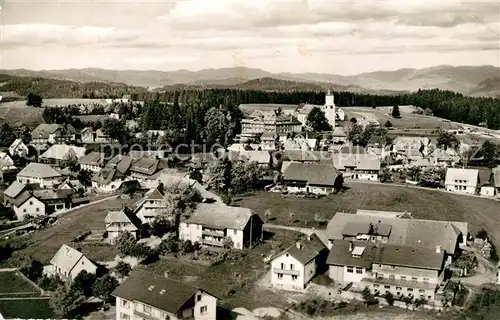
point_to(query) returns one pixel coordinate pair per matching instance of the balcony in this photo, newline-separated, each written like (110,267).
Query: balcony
(287,271)
(144,315)
(213,233)
(211,243)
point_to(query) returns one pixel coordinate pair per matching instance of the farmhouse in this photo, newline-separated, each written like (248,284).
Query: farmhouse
(51,133)
(93,161)
(462,180)
(101,137)
(151,205)
(339,136)
(87,135)
(306,156)
(144,295)
(360,166)
(299,141)
(401,145)
(62,154)
(72,185)
(444,158)
(69,262)
(293,268)
(486,183)
(39,173)
(18,148)
(7,167)
(214,224)
(303,110)
(311,177)
(107,180)
(399,269)
(13,191)
(27,204)
(144,169)
(269,141)
(448,235)
(120,221)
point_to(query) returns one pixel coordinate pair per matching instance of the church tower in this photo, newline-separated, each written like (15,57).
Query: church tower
(329,109)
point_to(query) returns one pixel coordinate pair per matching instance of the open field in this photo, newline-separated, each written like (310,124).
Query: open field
(423,204)
(52,102)
(240,275)
(42,245)
(12,284)
(26,309)
(27,115)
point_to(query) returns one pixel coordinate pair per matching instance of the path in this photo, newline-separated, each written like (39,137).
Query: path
(321,233)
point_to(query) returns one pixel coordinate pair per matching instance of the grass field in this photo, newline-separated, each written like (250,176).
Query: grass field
(29,116)
(53,102)
(239,276)
(26,309)
(423,204)
(12,283)
(44,244)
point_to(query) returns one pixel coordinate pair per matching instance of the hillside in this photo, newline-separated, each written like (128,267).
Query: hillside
(487,88)
(463,79)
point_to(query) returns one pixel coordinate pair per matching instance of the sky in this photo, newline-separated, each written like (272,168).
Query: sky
(327,36)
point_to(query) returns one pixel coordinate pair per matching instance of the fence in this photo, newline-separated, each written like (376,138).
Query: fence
(44,293)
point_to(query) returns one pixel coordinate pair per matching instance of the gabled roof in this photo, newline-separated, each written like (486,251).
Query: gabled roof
(120,162)
(156,291)
(14,189)
(312,173)
(309,156)
(122,216)
(39,170)
(360,161)
(66,257)
(306,250)
(18,142)
(94,158)
(469,175)
(44,130)
(261,157)
(50,194)
(389,254)
(145,165)
(61,152)
(352,150)
(221,216)
(106,175)
(23,197)
(486,178)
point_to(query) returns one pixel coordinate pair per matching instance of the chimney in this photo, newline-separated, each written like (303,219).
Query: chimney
(438,249)
(299,245)
(351,246)
(165,274)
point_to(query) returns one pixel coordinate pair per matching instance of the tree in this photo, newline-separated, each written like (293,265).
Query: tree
(245,176)
(161,187)
(85,177)
(407,300)
(228,243)
(125,243)
(123,269)
(219,175)
(70,158)
(447,140)
(317,120)
(34,100)
(368,297)
(318,218)
(66,300)
(389,297)
(395,112)
(21,131)
(291,217)
(489,152)
(83,283)
(187,247)
(33,271)
(141,251)
(388,124)
(103,287)
(385,175)
(419,302)
(431,178)
(428,112)
(115,129)
(353,120)
(219,126)
(446,299)
(7,135)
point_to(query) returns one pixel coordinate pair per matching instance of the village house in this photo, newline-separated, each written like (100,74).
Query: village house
(62,154)
(7,168)
(69,262)
(462,180)
(37,202)
(496,179)
(385,228)
(26,204)
(144,295)
(269,141)
(46,134)
(155,154)
(169,178)
(120,221)
(73,185)
(145,170)
(12,192)
(107,180)
(444,158)
(299,141)
(260,122)
(355,163)
(39,173)
(486,183)
(303,111)
(307,156)
(87,135)
(311,177)
(293,268)
(101,137)
(262,158)
(153,204)
(94,161)
(18,148)
(339,136)
(214,224)
(401,270)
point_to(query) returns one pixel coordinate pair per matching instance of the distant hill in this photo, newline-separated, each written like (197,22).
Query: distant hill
(487,88)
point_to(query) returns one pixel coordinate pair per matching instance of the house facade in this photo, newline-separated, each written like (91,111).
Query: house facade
(107,180)
(93,161)
(311,178)
(46,134)
(28,205)
(68,262)
(357,165)
(462,180)
(87,135)
(144,295)
(153,204)
(293,268)
(214,224)
(121,221)
(40,173)
(18,148)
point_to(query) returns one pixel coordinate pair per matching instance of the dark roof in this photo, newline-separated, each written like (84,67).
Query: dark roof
(354,228)
(106,175)
(486,178)
(390,254)
(25,196)
(147,288)
(94,158)
(312,173)
(120,162)
(221,216)
(309,249)
(145,165)
(14,189)
(309,156)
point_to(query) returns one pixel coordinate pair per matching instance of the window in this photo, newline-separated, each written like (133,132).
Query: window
(31,203)
(350,269)
(359,271)
(124,316)
(428,297)
(24,210)
(409,289)
(387,287)
(421,290)
(414,278)
(203,309)
(280,275)
(124,303)
(398,288)
(291,266)
(198,298)
(37,209)
(426,279)
(146,309)
(282,266)
(294,278)
(403,277)
(375,285)
(391,276)
(235,231)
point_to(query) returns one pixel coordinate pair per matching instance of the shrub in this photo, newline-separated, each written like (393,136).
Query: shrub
(389,297)
(123,268)
(187,247)
(368,297)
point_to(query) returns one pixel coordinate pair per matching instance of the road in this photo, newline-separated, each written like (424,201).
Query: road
(321,233)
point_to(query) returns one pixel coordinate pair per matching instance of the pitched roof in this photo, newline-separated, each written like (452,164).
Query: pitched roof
(120,162)
(122,216)
(94,158)
(106,175)
(312,173)
(469,175)
(305,108)
(486,178)
(14,189)
(23,197)
(413,232)
(221,216)
(360,161)
(66,257)
(61,151)
(306,250)
(39,170)
(390,254)
(44,130)
(18,142)
(309,156)
(156,291)
(352,150)
(261,157)
(145,165)
(50,194)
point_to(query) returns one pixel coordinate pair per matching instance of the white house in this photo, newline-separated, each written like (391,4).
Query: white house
(213,224)
(69,262)
(293,268)
(311,177)
(51,133)
(340,114)
(107,180)
(87,135)
(18,148)
(486,183)
(28,204)
(120,221)
(145,295)
(355,163)
(93,161)
(39,173)
(151,205)
(462,180)
(60,153)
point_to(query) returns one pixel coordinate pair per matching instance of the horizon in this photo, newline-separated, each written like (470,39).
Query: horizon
(304,36)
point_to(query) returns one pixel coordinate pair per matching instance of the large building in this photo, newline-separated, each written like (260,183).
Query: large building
(329,108)
(270,122)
